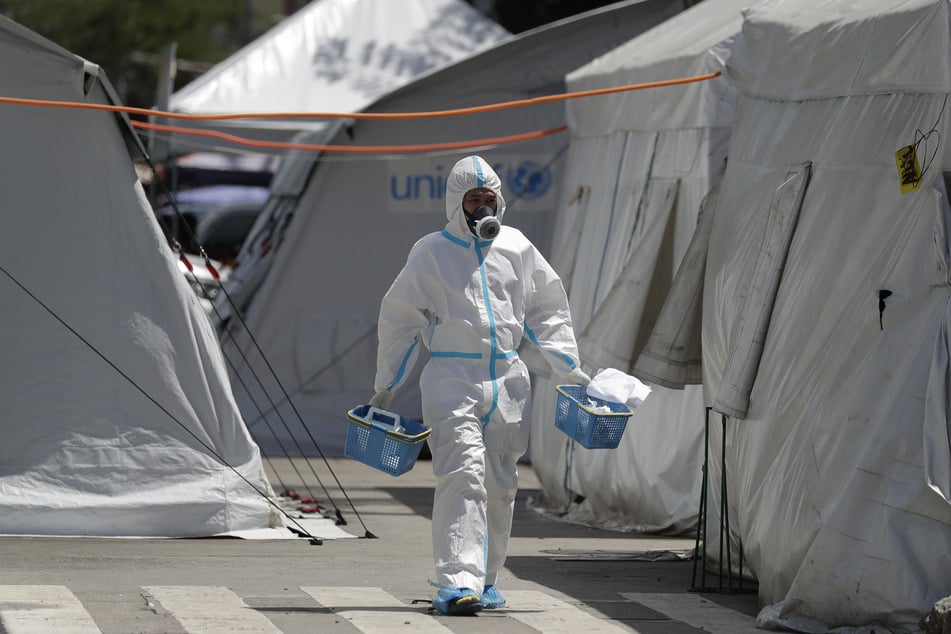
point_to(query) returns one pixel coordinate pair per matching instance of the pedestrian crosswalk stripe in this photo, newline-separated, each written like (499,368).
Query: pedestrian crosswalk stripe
(39,609)
(375,611)
(43,609)
(553,616)
(697,611)
(210,610)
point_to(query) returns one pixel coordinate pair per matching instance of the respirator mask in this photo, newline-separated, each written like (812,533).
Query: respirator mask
(483,223)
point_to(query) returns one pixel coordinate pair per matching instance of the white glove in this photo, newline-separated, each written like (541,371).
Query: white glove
(382,399)
(576,377)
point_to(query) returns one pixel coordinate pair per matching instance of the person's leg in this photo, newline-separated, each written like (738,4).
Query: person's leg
(459,503)
(506,440)
(451,394)
(501,487)
(501,483)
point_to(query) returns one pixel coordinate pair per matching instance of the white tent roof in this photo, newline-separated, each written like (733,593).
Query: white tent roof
(115,396)
(825,312)
(348,224)
(332,56)
(639,165)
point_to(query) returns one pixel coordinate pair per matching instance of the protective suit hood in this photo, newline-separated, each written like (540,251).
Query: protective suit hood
(469,173)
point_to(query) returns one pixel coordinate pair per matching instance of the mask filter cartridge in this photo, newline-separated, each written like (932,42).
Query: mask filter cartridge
(483,223)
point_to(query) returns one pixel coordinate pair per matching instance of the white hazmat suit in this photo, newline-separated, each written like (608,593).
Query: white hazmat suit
(470,302)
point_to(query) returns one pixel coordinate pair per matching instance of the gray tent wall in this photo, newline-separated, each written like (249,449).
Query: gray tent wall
(86,451)
(639,165)
(315,312)
(825,313)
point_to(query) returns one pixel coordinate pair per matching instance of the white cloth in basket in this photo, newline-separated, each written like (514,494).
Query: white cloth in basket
(613,385)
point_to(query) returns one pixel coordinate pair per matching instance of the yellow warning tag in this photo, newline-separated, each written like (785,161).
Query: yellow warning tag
(909,171)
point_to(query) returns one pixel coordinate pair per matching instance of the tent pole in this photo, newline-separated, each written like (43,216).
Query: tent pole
(700,543)
(725,505)
(702,513)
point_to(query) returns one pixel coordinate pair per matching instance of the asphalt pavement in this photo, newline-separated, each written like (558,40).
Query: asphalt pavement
(559,577)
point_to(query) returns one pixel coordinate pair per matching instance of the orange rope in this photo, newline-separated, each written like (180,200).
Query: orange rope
(356,115)
(361,115)
(455,145)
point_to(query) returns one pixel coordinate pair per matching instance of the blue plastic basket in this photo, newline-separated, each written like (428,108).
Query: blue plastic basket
(371,439)
(575,415)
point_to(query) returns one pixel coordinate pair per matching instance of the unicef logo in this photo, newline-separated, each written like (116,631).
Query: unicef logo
(529,180)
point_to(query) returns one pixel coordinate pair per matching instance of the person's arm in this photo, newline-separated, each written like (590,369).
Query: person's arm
(548,322)
(403,320)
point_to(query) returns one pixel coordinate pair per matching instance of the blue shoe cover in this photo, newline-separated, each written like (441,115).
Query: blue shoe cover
(492,599)
(457,602)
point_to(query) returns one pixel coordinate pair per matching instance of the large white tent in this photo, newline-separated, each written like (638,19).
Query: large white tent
(118,417)
(329,56)
(639,165)
(825,311)
(338,230)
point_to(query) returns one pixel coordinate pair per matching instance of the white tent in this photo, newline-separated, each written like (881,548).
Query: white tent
(330,56)
(639,165)
(825,312)
(117,412)
(339,231)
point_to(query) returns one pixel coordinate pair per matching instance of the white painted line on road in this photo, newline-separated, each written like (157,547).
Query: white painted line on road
(43,609)
(697,611)
(552,616)
(210,610)
(374,611)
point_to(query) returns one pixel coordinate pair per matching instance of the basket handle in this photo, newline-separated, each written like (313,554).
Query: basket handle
(382,419)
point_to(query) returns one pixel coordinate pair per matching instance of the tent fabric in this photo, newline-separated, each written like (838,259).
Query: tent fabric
(340,52)
(776,32)
(672,355)
(608,342)
(937,431)
(829,472)
(694,44)
(357,218)
(632,194)
(733,395)
(114,389)
(330,56)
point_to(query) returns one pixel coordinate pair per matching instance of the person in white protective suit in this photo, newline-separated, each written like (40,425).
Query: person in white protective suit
(470,300)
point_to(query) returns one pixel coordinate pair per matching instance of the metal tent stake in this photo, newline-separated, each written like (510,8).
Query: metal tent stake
(700,545)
